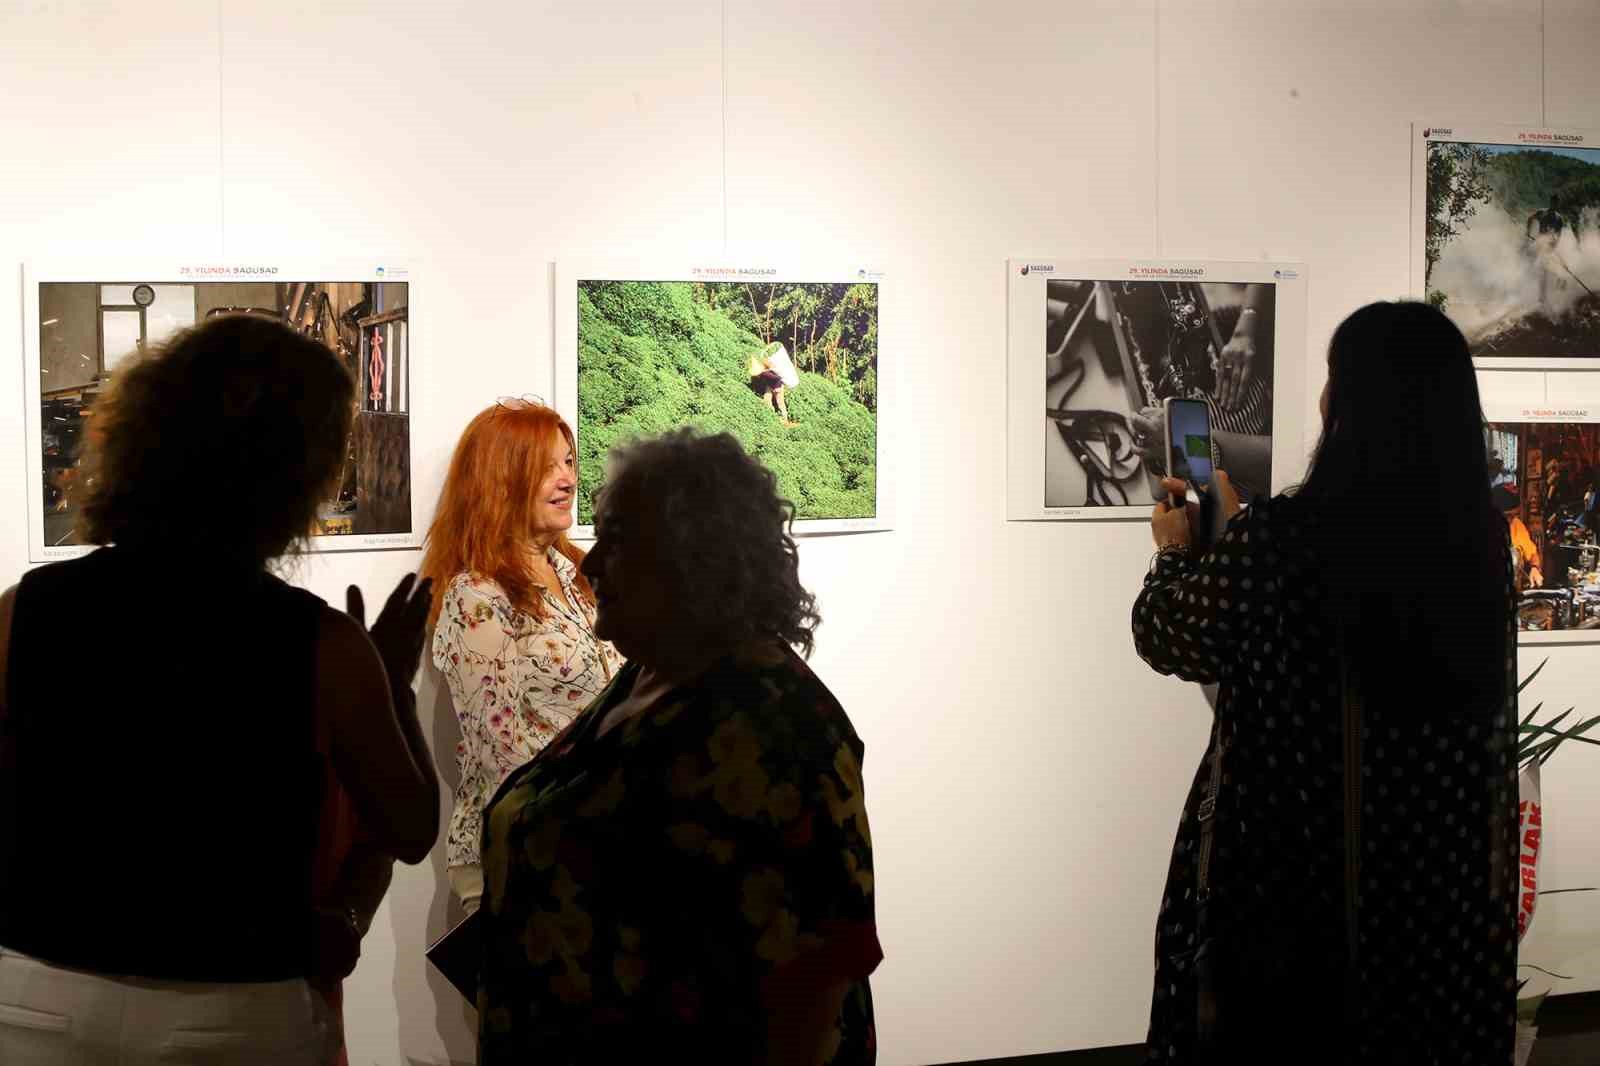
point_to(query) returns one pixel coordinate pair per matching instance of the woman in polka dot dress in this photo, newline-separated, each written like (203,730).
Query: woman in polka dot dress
(1307,593)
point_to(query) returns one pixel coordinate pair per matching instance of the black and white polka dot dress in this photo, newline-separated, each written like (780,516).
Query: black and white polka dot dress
(1438,883)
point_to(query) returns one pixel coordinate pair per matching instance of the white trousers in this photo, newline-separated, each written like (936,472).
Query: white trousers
(467,883)
(51,1016)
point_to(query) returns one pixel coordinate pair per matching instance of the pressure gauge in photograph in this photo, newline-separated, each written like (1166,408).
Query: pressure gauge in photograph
(144,295)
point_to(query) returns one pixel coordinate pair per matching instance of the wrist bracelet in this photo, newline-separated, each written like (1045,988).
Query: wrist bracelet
(1170,549)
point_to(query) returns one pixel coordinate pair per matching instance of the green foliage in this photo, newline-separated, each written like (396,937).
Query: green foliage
(867,389)
(831,328)
(1537,742)
(654,356)
(1456,184)
(1525,182)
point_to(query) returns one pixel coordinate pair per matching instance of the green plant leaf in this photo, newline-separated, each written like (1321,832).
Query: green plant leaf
(1540,740)
(1538,751)
(1529,679)
(1557,720)
(1554,744)
(1572,732)
(1585,726)
(1548,729)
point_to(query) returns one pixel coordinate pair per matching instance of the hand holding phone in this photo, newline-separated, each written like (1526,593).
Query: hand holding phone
(1188,425)
(1174,522)
(1189,452)
(1206,513)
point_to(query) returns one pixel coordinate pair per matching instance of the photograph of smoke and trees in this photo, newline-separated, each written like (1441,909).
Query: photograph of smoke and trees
(1512,246)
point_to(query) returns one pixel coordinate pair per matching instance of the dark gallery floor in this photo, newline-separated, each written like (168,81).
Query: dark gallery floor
(1569,1035)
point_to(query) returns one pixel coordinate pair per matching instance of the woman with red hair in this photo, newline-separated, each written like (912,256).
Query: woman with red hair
(513,616)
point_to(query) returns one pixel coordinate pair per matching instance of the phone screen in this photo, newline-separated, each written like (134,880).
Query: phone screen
(1189,441)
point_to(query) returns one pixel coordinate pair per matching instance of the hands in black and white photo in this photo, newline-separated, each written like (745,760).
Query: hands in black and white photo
(1150,437)
(1236,366)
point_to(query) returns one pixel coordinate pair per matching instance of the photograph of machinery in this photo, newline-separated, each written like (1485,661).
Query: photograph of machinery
(1115,350)
(86,329)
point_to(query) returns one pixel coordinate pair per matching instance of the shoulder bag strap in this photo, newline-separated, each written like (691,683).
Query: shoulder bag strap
(1209,1021)
(1208,816)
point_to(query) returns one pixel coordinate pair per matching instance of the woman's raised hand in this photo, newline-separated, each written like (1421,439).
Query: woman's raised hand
(398,632)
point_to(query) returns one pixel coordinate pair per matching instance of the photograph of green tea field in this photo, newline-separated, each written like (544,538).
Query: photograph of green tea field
(789,368)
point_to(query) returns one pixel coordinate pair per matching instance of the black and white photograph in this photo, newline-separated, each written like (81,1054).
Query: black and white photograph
(1115,350)
(85,329)
(1117,344)
(1510,239)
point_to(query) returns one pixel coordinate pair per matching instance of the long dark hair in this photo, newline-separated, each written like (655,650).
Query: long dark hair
(1416,553)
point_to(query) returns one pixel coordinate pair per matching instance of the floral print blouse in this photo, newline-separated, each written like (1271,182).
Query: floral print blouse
(516,681)
(651,892)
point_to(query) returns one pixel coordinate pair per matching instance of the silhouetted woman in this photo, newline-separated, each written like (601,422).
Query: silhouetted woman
(176,721)
(685,875)
(1305,598)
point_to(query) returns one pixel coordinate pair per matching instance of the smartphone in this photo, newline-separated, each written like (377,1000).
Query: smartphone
(1189,458)
(1188,443)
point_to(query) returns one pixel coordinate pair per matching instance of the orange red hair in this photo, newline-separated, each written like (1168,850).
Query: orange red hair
(487,504)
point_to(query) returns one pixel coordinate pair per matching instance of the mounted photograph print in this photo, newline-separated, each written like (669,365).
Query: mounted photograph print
(1100,351)
(1544,476)
(790,361)
(1505,234)
(82,321)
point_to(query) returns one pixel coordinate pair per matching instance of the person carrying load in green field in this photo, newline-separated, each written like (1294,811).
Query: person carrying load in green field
(771,372)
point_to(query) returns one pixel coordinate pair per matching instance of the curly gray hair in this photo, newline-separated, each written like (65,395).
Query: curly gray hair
(722,528)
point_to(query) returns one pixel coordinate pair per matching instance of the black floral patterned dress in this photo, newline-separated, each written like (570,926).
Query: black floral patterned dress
(650,892)
(1437,889)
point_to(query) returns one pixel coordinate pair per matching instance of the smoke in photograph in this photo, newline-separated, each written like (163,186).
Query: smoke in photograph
(1512,246)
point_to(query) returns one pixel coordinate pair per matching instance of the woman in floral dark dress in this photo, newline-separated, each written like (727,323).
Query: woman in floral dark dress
(685,873)
(1428,654)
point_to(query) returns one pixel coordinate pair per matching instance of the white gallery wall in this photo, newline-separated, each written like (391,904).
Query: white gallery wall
(1025,770)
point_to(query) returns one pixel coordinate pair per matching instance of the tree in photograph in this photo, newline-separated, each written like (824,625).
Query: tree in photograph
(799,308)
(830,328)
(859,311)
(763,306)
(1457,182)
(1531,180)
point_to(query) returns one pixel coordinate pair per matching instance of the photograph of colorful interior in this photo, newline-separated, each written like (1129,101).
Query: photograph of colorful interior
(87,329)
